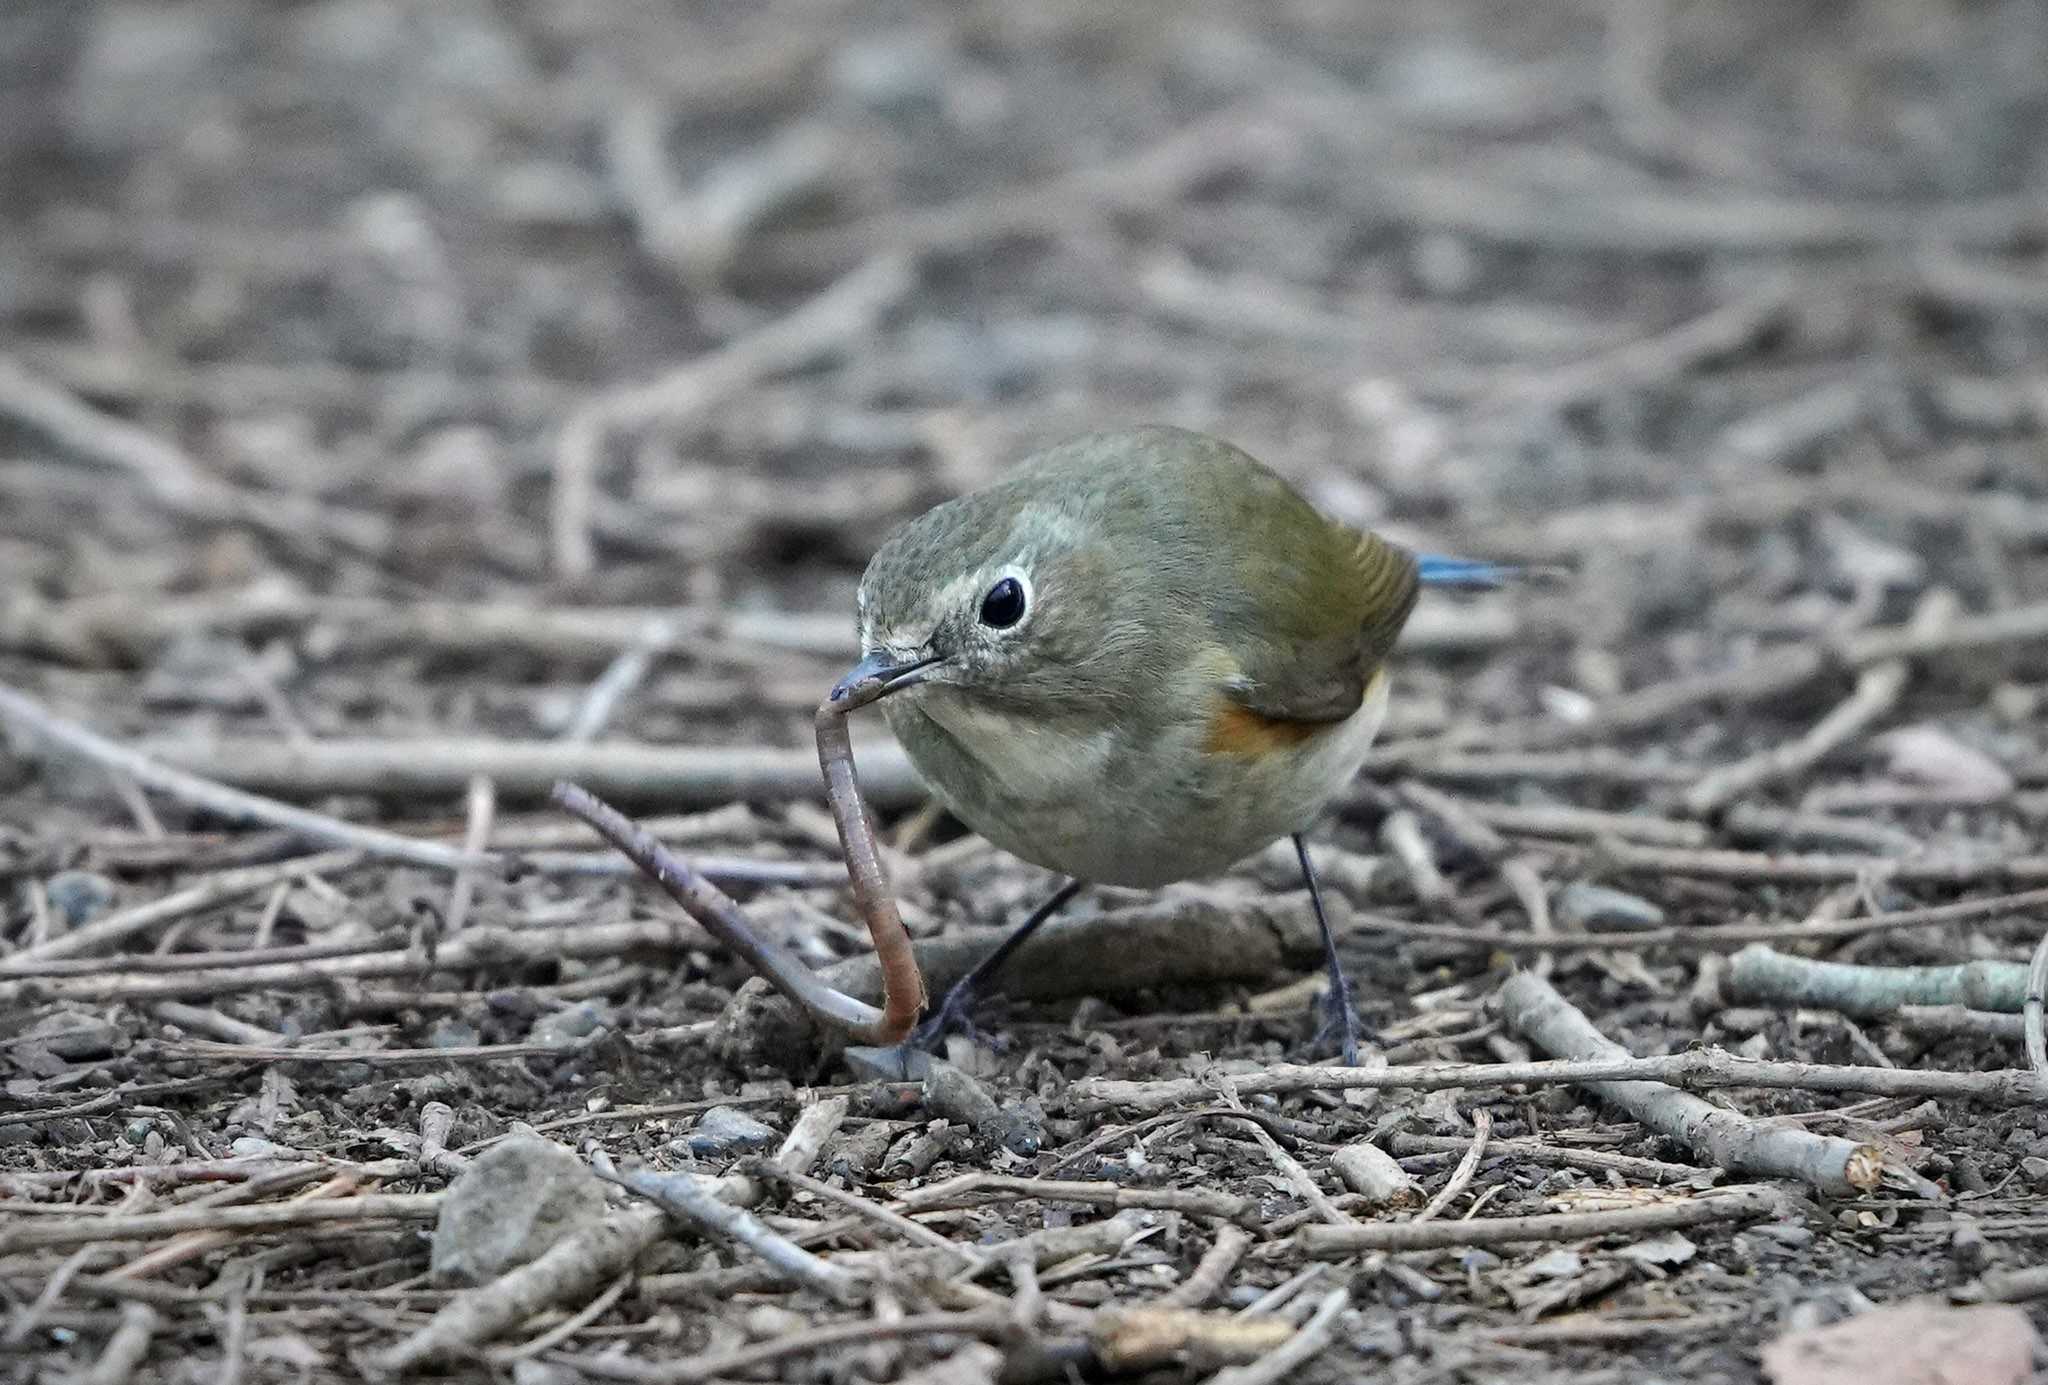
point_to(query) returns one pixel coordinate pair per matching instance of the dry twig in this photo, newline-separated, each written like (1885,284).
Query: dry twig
(580,1264)
(1748,1203)
(1705,1069)
(1724,1139)
(1759,975)
(32,718)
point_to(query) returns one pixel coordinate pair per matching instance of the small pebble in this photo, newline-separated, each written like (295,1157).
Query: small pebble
(724,1131)
(1967,1246)
(77,1038)
(1786,1234)
(452,1033)
(567,1025)
(951,1093)
(1479,1262)
(77,897)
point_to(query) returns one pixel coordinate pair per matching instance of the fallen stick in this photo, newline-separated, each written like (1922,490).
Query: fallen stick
(1724,1139)
(128,1346)
(478,946)
(677,776)
(1878,688)
(1297,1351)
(214,890)
(103,629)
(735,1363)
(684,1198)
(47,1233)
(197,791)
(1212,1271)
(1630,858)
(969,1189)
(1703,1068)
(1629,1166)
(1046,1247)
(98,630)
(179,482)
(1760,975)
(1719,1205)
(582,1263)
(1705,937)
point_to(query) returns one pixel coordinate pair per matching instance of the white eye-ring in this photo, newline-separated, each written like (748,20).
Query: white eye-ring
(1007,601)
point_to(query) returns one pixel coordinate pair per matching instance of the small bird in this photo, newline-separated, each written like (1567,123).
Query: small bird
(1138,658)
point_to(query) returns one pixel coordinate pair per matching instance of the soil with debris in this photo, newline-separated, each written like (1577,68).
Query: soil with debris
(404,402)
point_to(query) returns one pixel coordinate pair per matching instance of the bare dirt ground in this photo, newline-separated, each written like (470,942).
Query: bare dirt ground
(403,403)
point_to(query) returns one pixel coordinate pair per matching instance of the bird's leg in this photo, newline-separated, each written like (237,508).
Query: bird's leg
(961,996)
(1339,1017)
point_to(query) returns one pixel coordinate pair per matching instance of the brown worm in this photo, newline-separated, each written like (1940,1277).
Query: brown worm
(903,993)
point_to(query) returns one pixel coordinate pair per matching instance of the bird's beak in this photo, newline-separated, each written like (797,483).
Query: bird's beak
(877,675)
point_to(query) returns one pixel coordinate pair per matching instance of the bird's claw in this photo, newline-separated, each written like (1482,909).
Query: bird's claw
(955,1015)
(1340,1017)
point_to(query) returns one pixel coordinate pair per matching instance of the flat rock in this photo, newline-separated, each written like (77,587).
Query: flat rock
(724,1131)
(520,1197)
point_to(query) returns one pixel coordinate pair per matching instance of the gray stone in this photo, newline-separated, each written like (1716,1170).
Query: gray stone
(77,1038)
(452,1033)
(520,1197)
(568,1025)
(79,896)
(893,1064)
(723,1131)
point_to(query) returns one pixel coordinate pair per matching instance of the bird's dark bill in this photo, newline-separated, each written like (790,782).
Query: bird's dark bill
(877,676)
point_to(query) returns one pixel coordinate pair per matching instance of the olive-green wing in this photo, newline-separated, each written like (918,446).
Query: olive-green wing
(1320,616)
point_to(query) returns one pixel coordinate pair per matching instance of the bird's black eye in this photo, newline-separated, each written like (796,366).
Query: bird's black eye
(1004,604)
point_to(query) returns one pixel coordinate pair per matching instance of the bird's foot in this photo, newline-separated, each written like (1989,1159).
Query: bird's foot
(1340,1021)
(955,1015)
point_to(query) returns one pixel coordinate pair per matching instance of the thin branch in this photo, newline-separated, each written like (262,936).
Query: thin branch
(58,1233)
(1461,1177)
(685,1198)
(580,1264)
(676,776)
(1759,975)
(1705,1069)
(223,887)
(1878,689)
(1747,1203)
(1724,1139)
(1285,1361)
(29,716)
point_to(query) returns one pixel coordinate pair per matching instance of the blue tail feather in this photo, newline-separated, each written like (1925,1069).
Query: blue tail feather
(1434,570)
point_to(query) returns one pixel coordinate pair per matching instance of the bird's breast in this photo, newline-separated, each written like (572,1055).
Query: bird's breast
(1123,805)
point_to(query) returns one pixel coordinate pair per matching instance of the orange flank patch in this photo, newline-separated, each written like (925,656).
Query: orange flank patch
(1238,730)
